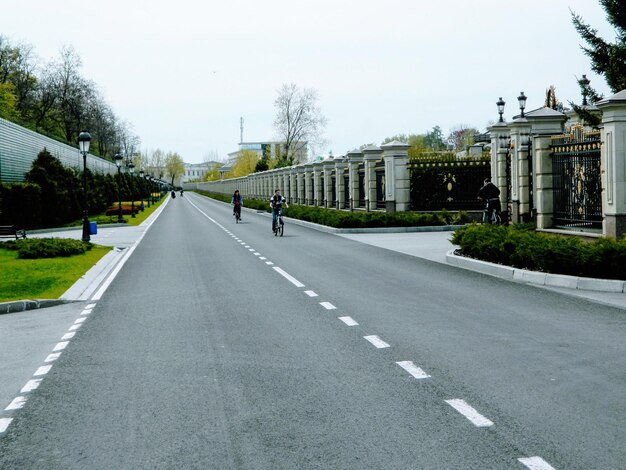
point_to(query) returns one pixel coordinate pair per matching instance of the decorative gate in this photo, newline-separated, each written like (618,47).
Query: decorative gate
(576,179)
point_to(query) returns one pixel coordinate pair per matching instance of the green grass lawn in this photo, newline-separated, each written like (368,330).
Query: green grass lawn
(45,278)
(102,219)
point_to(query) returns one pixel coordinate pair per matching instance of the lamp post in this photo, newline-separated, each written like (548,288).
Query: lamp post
(84,139)
(118,163)
(500,103)
(521,99)
(131,169)
(144,179)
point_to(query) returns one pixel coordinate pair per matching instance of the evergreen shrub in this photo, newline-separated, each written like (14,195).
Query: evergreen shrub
(520,246)
(34,248)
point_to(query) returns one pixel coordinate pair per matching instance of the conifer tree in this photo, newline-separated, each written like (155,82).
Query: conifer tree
(607,59)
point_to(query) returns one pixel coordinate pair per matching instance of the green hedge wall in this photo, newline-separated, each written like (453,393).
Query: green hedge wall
(521,247)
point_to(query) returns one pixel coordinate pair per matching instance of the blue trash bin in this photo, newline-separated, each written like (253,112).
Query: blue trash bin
(93,228)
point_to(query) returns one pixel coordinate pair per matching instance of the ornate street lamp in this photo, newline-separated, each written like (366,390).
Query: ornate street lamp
(500,103)
(84,139)
(144,178)
(131,169)
(118,163)
(521,99)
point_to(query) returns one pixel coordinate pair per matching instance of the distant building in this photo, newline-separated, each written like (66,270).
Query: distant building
(196,171)
(272,149)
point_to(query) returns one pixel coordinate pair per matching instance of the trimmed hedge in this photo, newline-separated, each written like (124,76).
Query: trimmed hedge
(34,248)
(521,247)
(357,219)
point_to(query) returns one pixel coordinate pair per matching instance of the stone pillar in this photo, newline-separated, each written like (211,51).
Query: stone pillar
(397,176)
(613,162)
(318,191)
(300,177)
(520,140)
(293,184)
(371,155)
(340,168)
(329,166)
(354,158)
(545,123)
(500,145)
(308,184)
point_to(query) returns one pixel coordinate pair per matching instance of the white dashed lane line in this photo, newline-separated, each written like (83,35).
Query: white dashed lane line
(288,276)
(310,293)
(348,321)
(413,369)
(31,385)
(4,424)
(536,463)
(470,413)
(60,346)
(376,341)
(328,305)
(43,370)
(17,404)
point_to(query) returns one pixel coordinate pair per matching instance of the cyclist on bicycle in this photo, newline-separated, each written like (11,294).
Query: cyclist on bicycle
(491,195)
(276,203)
(237,202)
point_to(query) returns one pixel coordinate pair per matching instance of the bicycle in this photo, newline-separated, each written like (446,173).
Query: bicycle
(237,215)
(278,226)
(496,219)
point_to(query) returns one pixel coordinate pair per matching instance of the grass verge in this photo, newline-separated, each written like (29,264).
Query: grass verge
(44,278)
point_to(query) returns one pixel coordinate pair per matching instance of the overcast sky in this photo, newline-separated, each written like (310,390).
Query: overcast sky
(183,72)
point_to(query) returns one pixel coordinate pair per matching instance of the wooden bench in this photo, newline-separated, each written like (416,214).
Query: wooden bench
(9,231)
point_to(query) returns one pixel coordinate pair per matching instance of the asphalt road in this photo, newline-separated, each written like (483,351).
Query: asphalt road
(219,345)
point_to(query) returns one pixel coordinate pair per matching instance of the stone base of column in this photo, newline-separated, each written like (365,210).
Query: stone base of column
(614,225)
(390,206)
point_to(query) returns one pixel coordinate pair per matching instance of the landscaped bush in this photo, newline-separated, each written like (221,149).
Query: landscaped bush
(33,248)
(356,219)
(521,247)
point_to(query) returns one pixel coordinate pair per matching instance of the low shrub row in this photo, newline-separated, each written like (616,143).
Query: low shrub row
(521,247)
(356,219)
(34,248)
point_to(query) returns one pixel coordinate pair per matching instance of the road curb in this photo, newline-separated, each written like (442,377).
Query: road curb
(23,305)
(524,276)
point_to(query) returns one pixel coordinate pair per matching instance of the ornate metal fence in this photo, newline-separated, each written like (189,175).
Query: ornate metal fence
(576,179)
(451,185)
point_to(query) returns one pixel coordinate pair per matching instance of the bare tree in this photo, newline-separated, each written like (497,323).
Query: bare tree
(298,122)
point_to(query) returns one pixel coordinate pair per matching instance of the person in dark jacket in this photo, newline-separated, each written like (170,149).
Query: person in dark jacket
(490,194)
(237,202)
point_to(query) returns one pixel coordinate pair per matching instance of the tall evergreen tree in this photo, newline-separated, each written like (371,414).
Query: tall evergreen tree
(607,59)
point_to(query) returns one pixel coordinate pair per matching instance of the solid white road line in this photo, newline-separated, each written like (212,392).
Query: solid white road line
(328,305)
(31,385)
(413,369)
(288,276)
(536,463)
(16,404)
(43,370)
(470,413)
(310,293)
(4,424)
(376,341)
(348,321)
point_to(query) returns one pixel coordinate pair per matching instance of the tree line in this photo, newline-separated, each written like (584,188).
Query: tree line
(54,99)
(52,194)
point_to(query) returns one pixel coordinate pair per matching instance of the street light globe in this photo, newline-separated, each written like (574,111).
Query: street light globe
(84,139)
(118,160)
